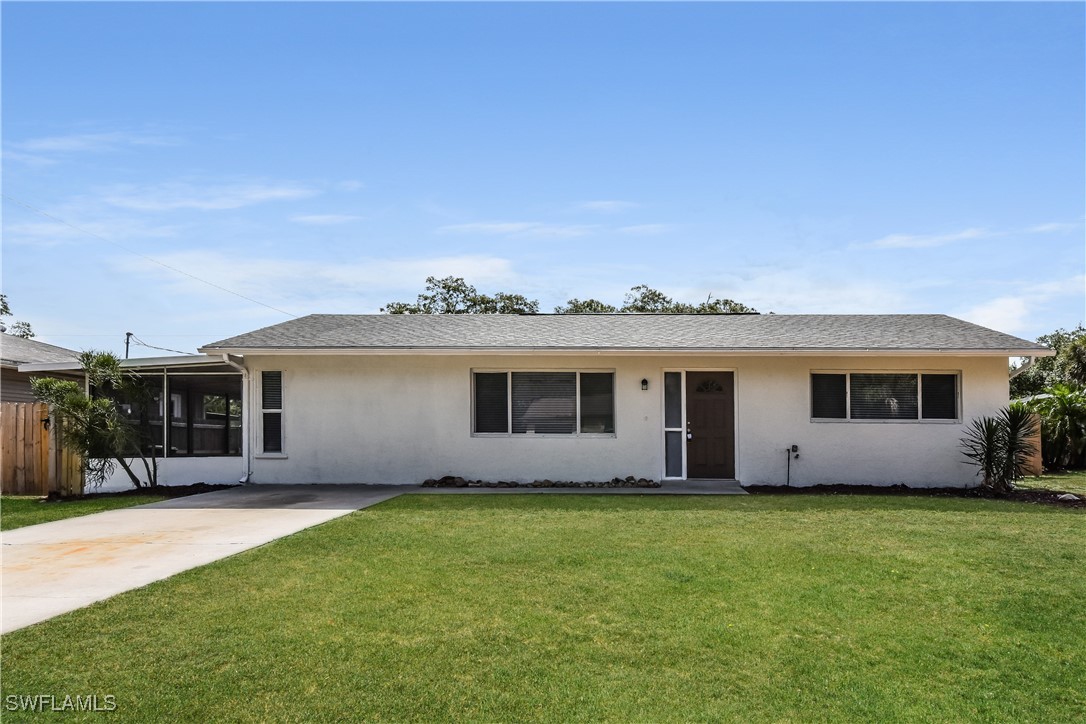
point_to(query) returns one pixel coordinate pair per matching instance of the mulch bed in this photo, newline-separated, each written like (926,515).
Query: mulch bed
(1046,497)
(166,491)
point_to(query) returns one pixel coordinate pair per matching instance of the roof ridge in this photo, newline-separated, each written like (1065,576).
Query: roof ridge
(630,331)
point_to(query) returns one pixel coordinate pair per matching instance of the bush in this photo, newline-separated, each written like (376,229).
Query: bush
(1000,446)
(1063,426)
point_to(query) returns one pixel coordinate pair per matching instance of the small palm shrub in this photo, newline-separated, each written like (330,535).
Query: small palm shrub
(1000,446)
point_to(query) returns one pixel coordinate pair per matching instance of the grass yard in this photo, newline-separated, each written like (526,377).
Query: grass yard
(1072,481)
(499,608)
(17,511)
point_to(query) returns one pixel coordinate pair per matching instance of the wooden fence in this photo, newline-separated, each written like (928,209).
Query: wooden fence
(1035,466)
(31,461)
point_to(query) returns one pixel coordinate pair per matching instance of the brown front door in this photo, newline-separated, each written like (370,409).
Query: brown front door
(710,425)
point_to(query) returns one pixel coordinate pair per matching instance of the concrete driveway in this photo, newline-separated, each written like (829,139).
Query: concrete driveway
(53,568)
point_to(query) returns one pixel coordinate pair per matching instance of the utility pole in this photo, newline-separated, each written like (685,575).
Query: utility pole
(127,339)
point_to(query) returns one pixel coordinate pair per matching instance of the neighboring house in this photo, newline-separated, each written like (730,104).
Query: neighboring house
(15,351)
(878,399)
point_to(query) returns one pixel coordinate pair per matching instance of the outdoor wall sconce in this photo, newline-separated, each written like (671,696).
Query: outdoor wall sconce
(644,384)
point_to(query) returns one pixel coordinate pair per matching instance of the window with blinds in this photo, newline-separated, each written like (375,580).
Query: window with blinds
(271,411)
(884,396)
(492,402)
(544,403)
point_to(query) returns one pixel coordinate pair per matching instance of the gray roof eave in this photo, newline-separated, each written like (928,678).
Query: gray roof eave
(136,363)
(552,350)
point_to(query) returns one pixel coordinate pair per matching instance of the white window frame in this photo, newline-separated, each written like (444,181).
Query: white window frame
(259,392)
(682,420)
(919,397)
(577,371)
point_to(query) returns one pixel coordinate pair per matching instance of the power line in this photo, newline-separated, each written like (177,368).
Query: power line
(140,342)
(143,256)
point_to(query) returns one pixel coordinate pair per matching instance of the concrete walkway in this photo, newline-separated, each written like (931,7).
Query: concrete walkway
(53,568)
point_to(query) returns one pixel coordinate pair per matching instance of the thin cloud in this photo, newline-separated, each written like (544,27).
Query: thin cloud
(1016,312)
(361,284)
(1053,227)
(49,150)
(324,219)
(51,233)
(520,228)
(29,159)
(807,291)
(84,142)
(176,196)
(1007,313)
(927,241)
(607,206)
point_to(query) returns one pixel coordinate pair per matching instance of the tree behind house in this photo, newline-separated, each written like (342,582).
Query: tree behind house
(1063,426)
(453,295)
(17,329)
(1066,367)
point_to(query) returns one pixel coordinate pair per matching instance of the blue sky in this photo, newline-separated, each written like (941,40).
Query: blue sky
(800,158)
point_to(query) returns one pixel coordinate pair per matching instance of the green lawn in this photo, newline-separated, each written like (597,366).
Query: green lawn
(1073,481)
(501,608)
(17,511)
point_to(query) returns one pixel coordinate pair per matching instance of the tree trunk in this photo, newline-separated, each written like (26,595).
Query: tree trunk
(124,464)
(152,475)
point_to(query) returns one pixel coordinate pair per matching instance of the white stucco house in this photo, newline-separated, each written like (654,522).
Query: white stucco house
(861,399)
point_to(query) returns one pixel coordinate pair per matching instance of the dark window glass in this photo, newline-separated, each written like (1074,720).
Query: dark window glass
(179,419)
(673,453)
(491,402)
(673,399)
(883,396)
(828,396)
(940,397)
(142,407)
(544,402)
(597,402)
(205,415)
(271,398)
(273,432)
(271,390)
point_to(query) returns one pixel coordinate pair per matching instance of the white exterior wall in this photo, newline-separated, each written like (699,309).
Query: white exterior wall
(402,419)
(180,471)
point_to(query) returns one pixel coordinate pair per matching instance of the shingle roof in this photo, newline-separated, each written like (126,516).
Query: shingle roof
(15,351)
(641,332)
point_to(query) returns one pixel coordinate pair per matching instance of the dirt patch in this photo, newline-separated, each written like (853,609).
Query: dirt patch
(166,491)
(1046,497)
